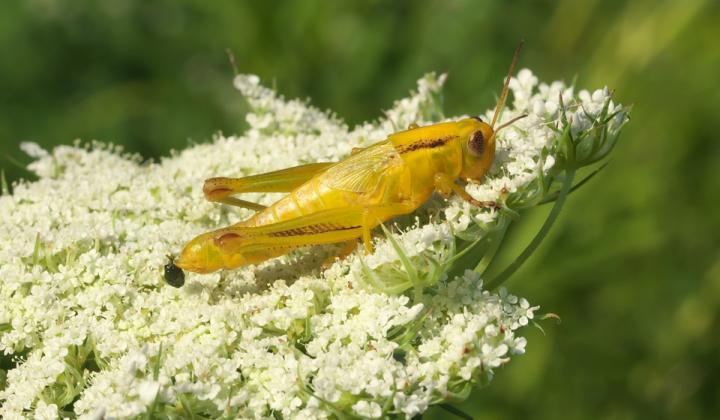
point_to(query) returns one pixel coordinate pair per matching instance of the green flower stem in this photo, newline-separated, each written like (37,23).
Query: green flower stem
(455,411)
(4,189)
(497,239)
(532,246)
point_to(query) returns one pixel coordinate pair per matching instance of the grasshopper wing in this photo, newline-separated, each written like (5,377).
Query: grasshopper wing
(364,171)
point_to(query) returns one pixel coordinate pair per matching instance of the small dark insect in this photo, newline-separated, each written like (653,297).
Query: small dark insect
(399,355)
(174,276)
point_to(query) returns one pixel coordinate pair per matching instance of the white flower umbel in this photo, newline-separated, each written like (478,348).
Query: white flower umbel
(88,325)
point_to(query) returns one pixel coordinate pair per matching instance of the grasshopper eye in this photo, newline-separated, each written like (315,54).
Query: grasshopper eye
(476,144)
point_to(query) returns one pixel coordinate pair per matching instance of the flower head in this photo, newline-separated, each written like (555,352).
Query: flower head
(88,323)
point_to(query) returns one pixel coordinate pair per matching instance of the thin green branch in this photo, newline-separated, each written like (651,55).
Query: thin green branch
(495,241)
(4,189)
(456,411)
(533,245)
(552,197)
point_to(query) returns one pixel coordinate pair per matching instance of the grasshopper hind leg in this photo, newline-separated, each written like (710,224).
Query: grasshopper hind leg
(238,245)
(220,190)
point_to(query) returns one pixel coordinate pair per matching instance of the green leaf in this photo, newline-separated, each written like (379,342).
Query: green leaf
(407,264)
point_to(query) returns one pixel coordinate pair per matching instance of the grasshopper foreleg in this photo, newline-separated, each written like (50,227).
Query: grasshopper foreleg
(446,186)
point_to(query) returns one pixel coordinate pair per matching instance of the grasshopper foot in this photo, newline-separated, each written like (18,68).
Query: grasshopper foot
(485,204)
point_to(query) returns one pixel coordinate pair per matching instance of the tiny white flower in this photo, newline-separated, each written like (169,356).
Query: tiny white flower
(44,411)
(147,391)
(368,409)
(33,150)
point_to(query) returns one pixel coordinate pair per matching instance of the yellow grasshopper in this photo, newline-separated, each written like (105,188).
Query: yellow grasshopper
(343,201)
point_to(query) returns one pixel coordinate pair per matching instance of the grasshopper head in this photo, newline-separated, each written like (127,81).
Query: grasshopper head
(479,137)
(478,146)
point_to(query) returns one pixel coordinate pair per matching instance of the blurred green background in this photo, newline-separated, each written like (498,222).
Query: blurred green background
(633,267)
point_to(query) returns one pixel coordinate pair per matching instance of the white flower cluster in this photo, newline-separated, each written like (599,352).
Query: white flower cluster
(88,324)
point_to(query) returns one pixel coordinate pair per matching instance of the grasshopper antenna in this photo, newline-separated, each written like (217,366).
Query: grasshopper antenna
(503,95)
(519,117)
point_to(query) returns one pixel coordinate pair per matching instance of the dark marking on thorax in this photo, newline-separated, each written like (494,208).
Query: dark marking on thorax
(424,144)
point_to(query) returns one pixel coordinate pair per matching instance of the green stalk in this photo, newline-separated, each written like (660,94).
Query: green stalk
(497,239)
(4,189)
(532,246)
(456,411)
